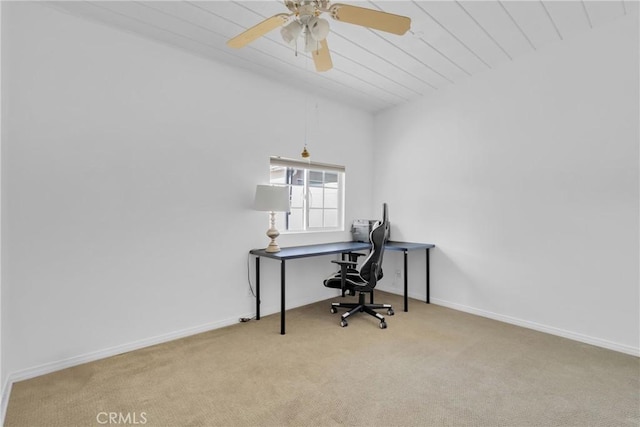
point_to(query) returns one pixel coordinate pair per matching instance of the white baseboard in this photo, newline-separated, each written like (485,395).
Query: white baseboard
(48,368)
(599,342)
(4,401)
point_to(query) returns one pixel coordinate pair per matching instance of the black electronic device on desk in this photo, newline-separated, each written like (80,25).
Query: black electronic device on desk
(361,228)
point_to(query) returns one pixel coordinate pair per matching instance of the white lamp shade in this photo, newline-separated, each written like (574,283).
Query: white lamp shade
(272,198)
(318,28)
(291,32)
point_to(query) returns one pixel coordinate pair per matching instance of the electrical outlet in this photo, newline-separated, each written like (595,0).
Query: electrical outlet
(397,279)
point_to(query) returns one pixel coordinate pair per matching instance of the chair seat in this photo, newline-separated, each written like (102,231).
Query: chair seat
(352,281)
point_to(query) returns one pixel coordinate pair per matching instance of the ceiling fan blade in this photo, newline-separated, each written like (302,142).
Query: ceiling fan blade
(383,21)
(322,57)
(258,30)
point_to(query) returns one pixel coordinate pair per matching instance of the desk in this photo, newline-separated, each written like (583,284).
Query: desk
(329,249)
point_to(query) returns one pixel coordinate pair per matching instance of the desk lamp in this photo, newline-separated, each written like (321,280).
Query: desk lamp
(272,198)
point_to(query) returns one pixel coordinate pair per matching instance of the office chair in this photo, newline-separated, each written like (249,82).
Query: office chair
(364,280)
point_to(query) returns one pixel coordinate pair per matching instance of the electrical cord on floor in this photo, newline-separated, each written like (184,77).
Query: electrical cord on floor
(249,275)
(247,319)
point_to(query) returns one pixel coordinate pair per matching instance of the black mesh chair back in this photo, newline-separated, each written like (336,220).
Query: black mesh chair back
(372,265)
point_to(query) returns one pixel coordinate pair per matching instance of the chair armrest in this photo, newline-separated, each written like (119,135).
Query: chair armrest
(343,272)
(353,256)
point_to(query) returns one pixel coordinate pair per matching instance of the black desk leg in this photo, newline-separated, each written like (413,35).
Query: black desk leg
(282,299)
(258,288)
(428,290)
(406,283)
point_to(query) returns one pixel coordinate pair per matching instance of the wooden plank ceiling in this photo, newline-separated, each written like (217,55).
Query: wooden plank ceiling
(449,41)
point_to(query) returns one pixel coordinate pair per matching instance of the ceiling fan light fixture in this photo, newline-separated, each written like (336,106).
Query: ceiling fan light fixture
(291,31)
(304,17)
(310,45)
(318,28)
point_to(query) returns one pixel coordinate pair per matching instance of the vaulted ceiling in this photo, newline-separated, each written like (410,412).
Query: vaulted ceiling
(449,41)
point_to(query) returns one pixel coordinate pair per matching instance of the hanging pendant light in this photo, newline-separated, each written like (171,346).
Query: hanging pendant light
(305,154)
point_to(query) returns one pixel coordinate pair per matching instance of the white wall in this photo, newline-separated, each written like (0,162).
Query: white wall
(526,179)
(128,172)
(2,376)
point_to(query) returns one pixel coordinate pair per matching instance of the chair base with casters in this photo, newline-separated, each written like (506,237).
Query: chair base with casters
(361,306)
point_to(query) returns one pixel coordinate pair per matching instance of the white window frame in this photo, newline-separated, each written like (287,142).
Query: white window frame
(306,199)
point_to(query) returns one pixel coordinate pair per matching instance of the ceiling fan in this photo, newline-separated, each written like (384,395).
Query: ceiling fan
(305,19)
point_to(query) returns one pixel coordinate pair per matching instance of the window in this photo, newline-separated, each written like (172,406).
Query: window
(316,191)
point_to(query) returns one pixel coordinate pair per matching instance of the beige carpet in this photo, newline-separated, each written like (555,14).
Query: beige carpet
(432,367)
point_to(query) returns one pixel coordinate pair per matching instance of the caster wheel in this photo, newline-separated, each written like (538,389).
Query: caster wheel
(390,312)
(344,323)
(334,310)
(383,325)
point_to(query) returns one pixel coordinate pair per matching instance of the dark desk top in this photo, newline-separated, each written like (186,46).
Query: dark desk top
(313,250)
(335,248)
(406,246)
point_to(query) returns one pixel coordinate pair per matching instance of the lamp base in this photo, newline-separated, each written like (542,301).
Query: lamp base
(273,233)
(273,247)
